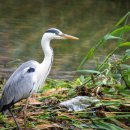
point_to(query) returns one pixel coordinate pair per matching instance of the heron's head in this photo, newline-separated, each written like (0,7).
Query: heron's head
(54,33)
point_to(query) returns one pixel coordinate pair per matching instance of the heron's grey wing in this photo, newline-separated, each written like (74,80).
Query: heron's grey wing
(20,84)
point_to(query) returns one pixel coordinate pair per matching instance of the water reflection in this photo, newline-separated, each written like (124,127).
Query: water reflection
(22,24)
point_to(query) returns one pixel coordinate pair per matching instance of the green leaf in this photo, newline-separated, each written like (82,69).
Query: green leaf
(89,54)
(127,54)
(82,79)
(125,44)
(114,117)
(88,71)
(118,31)
(122,19)
(109,36)
(101,125)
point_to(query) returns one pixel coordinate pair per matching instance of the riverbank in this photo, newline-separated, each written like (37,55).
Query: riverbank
(111,112)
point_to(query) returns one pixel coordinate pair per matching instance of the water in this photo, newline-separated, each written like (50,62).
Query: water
(22,24)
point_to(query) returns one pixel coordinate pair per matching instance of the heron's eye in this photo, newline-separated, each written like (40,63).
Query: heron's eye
(30,70)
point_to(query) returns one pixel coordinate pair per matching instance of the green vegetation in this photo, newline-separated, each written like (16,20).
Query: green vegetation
(109,82)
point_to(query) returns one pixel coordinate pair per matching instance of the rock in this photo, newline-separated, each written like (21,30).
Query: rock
(78,103)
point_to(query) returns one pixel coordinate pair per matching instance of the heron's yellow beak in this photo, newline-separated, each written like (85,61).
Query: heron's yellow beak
(66,36)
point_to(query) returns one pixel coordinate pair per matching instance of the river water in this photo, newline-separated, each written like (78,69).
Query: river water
(22,23)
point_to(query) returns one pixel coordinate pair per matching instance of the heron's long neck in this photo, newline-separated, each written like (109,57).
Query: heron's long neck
(48,51)
(45,67)
(48,57)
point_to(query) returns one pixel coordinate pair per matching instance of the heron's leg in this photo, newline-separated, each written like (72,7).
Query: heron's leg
(25,113)
(14,119)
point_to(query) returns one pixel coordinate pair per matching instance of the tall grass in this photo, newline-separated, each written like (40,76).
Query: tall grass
(118,31)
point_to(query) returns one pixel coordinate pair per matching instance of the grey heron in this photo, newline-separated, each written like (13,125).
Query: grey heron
(30,75)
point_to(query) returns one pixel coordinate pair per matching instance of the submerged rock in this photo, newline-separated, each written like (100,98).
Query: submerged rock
(78,103)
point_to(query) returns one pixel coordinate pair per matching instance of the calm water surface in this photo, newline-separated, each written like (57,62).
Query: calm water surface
(22,23)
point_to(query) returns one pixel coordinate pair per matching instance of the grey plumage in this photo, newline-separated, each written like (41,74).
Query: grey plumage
(19,85)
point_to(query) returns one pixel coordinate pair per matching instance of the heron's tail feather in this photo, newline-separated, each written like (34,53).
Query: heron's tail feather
(4,107)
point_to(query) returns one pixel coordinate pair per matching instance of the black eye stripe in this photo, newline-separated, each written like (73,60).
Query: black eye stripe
(53,31)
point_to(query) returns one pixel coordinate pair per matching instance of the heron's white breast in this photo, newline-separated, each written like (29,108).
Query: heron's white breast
(42,72)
